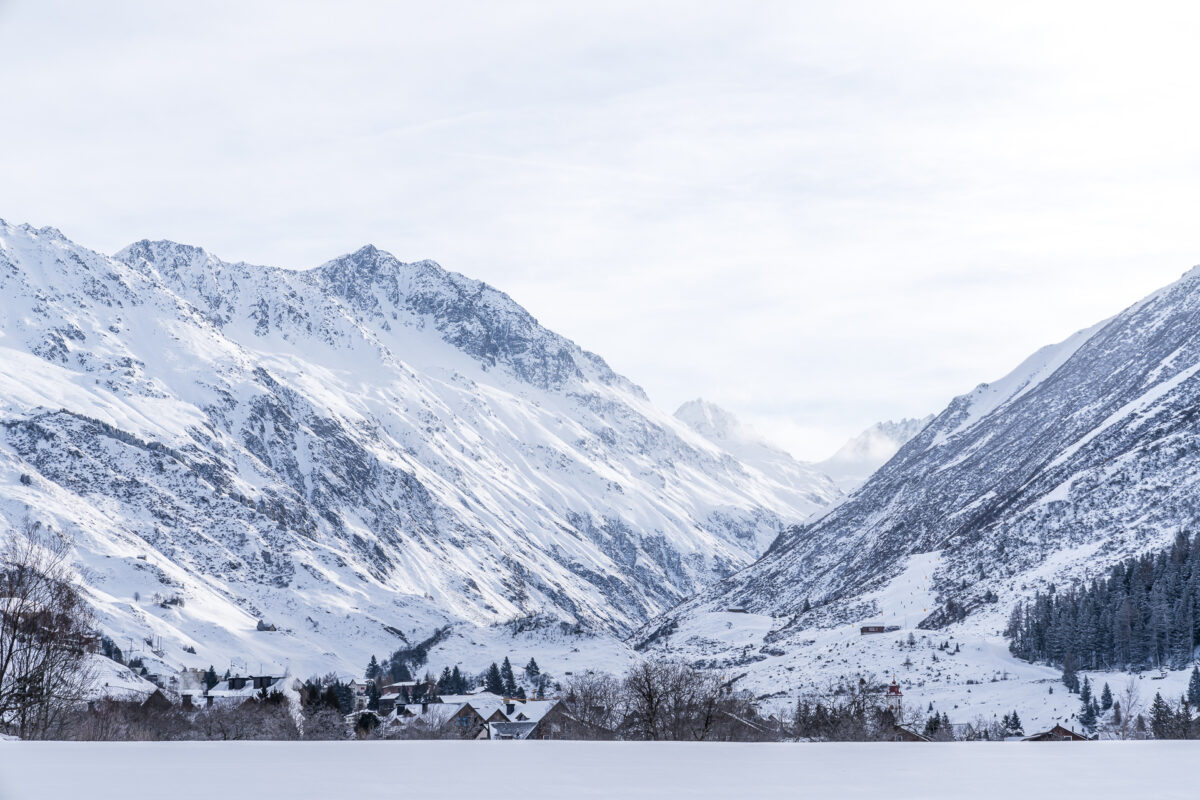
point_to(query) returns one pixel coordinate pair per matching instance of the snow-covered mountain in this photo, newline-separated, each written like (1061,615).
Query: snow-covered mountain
(858,458)
(807,485)
(1086,453)
(359,454)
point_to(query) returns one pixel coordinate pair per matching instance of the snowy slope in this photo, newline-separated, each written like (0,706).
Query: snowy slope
(358,454)
(1082,456)
(805,484)
(858,458)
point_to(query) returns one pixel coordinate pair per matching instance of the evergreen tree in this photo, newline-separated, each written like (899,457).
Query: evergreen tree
(457,681)
(493,681)
(210,677)
(372,669)
(510,680)
(399,672)
(1087,717)
(445,682)
(1162,719)
(532,671)
(1069,678)
(1106,698)
(1085,691)
(372,697)
(1193,690)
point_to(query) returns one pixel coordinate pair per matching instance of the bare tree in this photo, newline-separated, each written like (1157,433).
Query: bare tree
(1130,705)
(594,700)
(668,700)
(45,634)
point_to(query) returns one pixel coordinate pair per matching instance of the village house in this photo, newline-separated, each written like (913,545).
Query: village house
(405,693)
(476,717)
(1056,734)
(231,691)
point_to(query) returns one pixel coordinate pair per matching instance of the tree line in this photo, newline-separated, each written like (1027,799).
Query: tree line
(1144,614)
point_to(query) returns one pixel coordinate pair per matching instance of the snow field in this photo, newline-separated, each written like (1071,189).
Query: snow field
(431,770)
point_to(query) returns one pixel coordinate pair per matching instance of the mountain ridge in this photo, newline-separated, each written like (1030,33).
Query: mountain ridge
(361,453)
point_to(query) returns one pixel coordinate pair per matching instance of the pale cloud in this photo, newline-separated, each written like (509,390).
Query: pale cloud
(816,214)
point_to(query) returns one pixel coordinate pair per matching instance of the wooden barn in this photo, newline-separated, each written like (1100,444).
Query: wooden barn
(1056,734)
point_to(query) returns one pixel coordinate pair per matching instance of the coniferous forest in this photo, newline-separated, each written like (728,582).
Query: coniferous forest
(1144,614)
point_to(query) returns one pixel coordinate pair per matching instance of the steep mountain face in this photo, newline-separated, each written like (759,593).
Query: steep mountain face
(359,454)
(858,458)
(1086,453)
(806,485)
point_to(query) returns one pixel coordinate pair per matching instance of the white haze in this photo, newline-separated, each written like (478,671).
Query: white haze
(816,215)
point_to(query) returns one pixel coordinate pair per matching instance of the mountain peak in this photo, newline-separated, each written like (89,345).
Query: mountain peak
(712,421)
(866,452)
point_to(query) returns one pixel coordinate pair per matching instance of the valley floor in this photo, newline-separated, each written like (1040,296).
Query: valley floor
(534,770)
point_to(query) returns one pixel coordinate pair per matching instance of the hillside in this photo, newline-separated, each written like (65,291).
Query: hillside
(358,454)
(1083,455)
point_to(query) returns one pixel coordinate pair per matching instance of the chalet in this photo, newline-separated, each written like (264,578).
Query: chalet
(866,630)
(1056,734)
(232,691)
(531,719)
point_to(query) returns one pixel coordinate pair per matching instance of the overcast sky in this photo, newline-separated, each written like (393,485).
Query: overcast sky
(817,215)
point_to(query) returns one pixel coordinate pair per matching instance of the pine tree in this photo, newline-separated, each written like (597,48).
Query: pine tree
(1085,691)
(1087,717)
(445,683)
(1069,678)
(532,671)
(493,682)
(372,697)
(1106,698)
(1162,718)
(372,669)
(510,680)
(210,677)
(457,681)
(399,672)
(1193,690)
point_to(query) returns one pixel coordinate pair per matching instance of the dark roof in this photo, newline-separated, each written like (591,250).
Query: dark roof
(1056,734)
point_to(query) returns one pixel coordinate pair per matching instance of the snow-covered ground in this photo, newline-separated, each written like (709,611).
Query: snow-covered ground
(966,672)
(534,770)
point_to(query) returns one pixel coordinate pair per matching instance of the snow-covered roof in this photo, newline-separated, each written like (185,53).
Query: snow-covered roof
(510,730)
(479,697)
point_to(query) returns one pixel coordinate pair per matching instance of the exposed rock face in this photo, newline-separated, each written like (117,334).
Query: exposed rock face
(360,453)
(1086,453)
